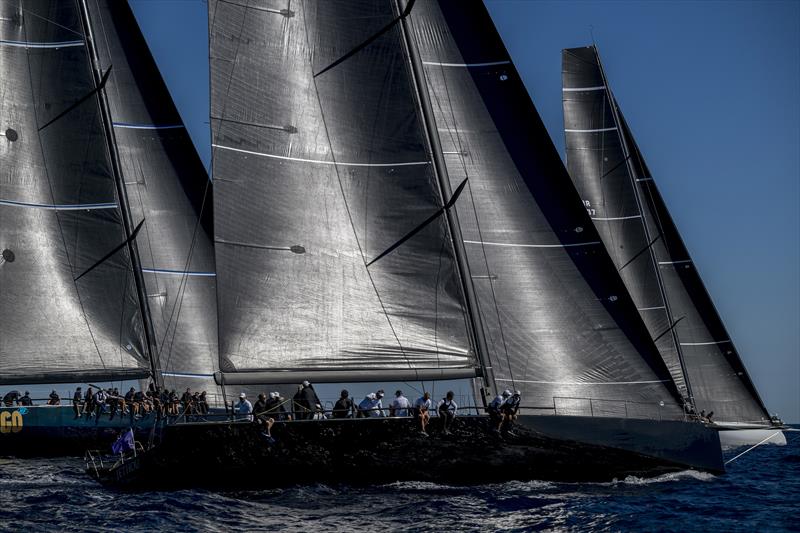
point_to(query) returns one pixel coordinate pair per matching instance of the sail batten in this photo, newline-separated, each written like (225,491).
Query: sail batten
(664,281)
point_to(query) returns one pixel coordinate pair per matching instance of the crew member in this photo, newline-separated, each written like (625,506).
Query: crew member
(422,406)
(447,410)
(55,399)
(510,409)
(244,407)
(495,410)
(400,405)
(77,402)
(343,408)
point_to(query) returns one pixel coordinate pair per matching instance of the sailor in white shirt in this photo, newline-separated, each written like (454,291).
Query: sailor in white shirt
(245,407)
(371,405)
(422,406)
(400,405)
(447,410)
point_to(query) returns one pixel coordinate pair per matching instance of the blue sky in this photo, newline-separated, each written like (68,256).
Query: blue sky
(712,93)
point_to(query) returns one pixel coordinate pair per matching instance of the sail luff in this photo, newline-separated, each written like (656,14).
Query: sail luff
(463,272)
(649,238)
(127,221)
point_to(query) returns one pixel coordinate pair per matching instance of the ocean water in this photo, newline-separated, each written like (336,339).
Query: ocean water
(760,492)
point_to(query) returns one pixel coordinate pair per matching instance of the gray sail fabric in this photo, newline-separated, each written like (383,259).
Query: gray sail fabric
(169,189)
(600,171)
(316,176)
(559,322)
(59,212)
(718,378)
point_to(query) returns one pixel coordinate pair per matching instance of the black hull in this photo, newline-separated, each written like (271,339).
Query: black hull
(223,455)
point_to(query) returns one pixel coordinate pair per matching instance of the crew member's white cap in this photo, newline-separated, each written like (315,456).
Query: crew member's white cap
(306,384)
(274,395)
(517,393)
(506,392)
(242,395)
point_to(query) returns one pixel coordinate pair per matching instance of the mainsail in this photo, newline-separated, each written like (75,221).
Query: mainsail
(68,301)
(168,189)
(560,324)
(320,165)
(619,192)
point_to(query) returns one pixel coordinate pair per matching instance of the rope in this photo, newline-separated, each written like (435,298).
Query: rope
(751,448)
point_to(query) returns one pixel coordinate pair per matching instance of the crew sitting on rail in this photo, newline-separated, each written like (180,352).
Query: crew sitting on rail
(26,400)
(344,407)
(447,411)
(371,405)
(99,404)
(495,410)
(55,399)
(77,403)
(88,402)
(421,407)
(510,408)
(400,406)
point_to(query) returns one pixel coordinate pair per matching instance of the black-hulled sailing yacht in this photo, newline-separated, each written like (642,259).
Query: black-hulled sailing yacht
(620,195)
(388,207)
(95,164)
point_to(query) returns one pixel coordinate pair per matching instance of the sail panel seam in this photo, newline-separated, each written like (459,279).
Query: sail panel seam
(514,245)
(27,44)
(60,207)
(467,65)
(588,382)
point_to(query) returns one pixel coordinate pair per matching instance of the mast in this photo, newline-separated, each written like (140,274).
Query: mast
(446,192)
(122,194)
(629,164)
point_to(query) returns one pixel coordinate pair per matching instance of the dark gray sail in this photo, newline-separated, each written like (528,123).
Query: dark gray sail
(560,325)
(320,165)
(68,303)
(611,175)
(597,163)
(168,188)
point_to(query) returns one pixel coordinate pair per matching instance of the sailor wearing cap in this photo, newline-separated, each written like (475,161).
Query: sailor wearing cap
(495,409)
(244,407)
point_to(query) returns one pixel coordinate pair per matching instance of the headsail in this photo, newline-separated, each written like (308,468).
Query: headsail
(320,165)
(560,324)
(612,177)
(59,211)
(169,189)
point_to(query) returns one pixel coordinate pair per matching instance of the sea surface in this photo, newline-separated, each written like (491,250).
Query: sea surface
(760,492)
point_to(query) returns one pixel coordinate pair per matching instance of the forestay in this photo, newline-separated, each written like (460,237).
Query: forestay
(320,164)
(59,211)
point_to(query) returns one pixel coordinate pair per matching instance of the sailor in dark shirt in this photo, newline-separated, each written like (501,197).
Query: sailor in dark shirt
(276,408)
(260,407)
(343,408)
(11,398)
(76,402)
(312,401)
(88,407)
(510,409)
(202,403)
(55,399)
(186,400)
(26,400)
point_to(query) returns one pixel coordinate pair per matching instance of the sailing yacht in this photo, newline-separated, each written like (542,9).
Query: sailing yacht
(105,222)
(621,196)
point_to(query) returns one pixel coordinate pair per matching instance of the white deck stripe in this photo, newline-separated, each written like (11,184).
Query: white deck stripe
(703,343)
(320,162)
(617,218)
(178,272)
(644,179)
(584,382)
(466,65)
(591,131)
(23,44)
(533,245)
(675,262)
(650,308)
(128,126)
(581,89)
(59,207)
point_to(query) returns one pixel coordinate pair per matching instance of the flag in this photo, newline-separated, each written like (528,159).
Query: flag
(124,443)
